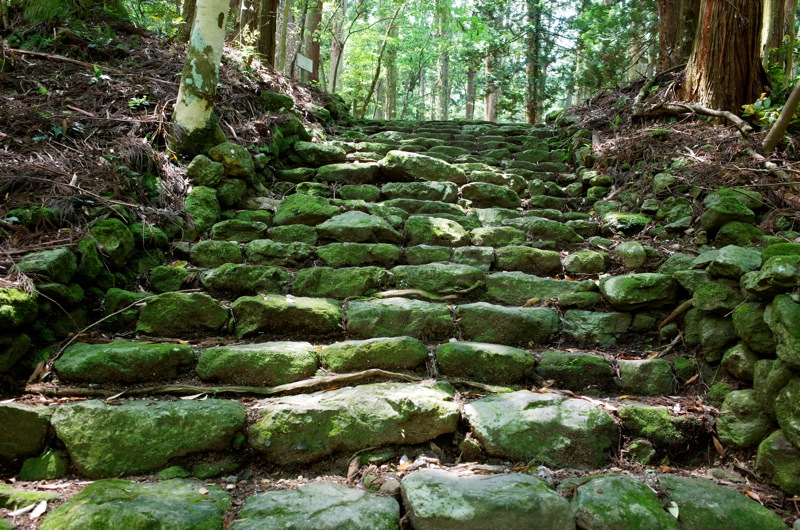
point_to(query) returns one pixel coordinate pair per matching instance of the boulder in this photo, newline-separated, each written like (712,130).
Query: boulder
(25,431)
(309,154)
(424,230)
(400,165)
(235,158)
(778,461)
(592,328)
(202,206)
(358,227)
(17,307)
(304,209)
(359,254)
(637,291)
(326,282)
(243,279)
(209,254)
(57,265)
(783,318)
(741,422)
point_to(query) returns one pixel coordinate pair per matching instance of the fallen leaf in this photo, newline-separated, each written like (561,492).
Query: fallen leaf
(673,509)
(753,495)
(718,446)
(194,396)
(352,469)
(692,380)
(26,509)
(531,302)
(202,491)
(39,510)
(115,396)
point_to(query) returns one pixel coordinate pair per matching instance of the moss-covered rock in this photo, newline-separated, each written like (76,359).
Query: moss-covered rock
(400,165)
(358,227)
(319,505)
(167,278)
(586,262)
(25,431)
(268,252)
(637,291)
(726,210)
(123,362)
(575,371)
(424,191)
(517,288)
(304,209)
(181,314)
(361,192)
(704,505)
(540,228)
(57,265)
(741,422)
(395,317)
(139,436)
(528,260)
(491,363)
(424,254)
(262,364)
(712,333)
(783,318)
(301,429)
(615,502)
(386,353)
(202,171)
(17,307)
(769,378)
(593,328)
(740,362)
(275,101)
(485,195)
(244,279)
(342,283)
(309,154)
(281,315)
(202,206)
(438,278)
(547,428)
(656,424)
(176,504)
(720,297)
(778,460)
(354,172)
(359,254)
(787,410)
(235,158)
(499,237)
(14,498)
(512,326)
(211,253)
(49,466)
(294,233)
(238,230)
(748,321)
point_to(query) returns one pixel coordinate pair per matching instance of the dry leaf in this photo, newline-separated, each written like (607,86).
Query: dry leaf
(673,509)
(352,469)
(202,491)
(753,495)
(194,396)
(39,510)
(21,511)
(718,446)
(531,302)
(692,380)
(115,396)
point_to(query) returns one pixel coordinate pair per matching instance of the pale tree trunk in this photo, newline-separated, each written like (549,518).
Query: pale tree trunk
(311,42)
(377,74)
(267,26)
(443,9)
(492,90)
(772,27)
(724,70)
(337,44)
(677,25)
(533,63)
(378,114)
(421,112)
(187,13)
(286,15)
(782,123)
(471,93)
(4,14)
(391,75)
(789,30)
(195,125)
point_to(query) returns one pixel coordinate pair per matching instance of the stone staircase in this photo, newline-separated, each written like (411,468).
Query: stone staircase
(436,325)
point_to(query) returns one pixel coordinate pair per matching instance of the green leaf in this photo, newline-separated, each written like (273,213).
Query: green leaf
(673,509)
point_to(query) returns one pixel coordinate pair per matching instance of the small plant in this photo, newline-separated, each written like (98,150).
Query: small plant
(138,103)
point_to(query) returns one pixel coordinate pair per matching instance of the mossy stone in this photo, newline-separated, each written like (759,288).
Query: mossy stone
(712,333)
(243,279)
(49,466)
(358,227)
(281,315)
(491,363)
(498,237)
(646,377)
(424,254)
(17,307)
(361,192)
(778,460)
(528,260)
(359,254)
(123,362)
(90,265)
(426,191)
(575,371)
(740,234)
(394,317)
(255,216)
(657,425)
(586,262)
(304,209)
(740,362)
(181,314)
(25,431)
(202,206)
(326,282)
(719,297)
(262,364)
(781,249)
(211,253)
(275,101)
(237,160)
(268,252)
(14,498)
(594,328)
(787,410)
(511,326)
(741,422)
(309,154)
(230,192)
(440,278)
(540,228)
(116,301)
(294,234)
(637,291)
(769,378)
(58,265)
(399,165)
(386,353)
(238,230)
(202,171)
(517,288)
(176,504)
(12,349)
(783,318)
(726,210)
(167,278)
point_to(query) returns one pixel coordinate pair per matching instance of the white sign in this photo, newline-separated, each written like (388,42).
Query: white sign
(305,63)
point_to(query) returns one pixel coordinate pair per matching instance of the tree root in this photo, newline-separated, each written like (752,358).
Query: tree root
(298,387)
(676,109)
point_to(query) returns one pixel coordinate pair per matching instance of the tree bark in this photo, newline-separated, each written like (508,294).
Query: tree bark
(492,91)
(772,27)
(311,43)
(268,27)
(677,25)
(337,47)
(533,62)
(724,70)
(443,9)
(195,125)
(789,30)
(471,94)
(284,41)
(782,123)
(391,75)
(187,13)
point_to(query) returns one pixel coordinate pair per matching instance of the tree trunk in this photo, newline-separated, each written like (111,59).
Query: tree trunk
(311,42)
(471,93)
(492,90)
(377,74)
(267,29)
(421,110)
(284,41)
(337,47)
(789,30)
(391,75)
(724,70)
(677,25)
(533,62)
(188,12)
(782,123)
(195,125)
(443,9)
(772,27)
(378,114)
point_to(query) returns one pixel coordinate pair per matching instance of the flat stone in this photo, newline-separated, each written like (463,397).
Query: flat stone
(175,504)
(703,505)
(309,154)
(646,377)
(484,195)
(14,498)
(517,288)
(57,265)
(575,371)
(395,317)
(592,328)
(326,282)
(614,502)
(301,429)
(491,363)
(241,279)
(359,254)
(386,353)
(134,437)
(209,254)
(779,274)
(319,506)
(260,364)
(304,209)
(512,326)
(528,260)
(659,426)
(421,207)
(637,291)
(438,500)
(25,431)
(363,192)
(358,227)
(482,258)
(414,166)
(424,230)
(438,278)
(545,229)
(283,315)
(508,180)
(549,428)
(494,216)
(238,230)
(355,172)
(726,210)
(181,314)
(425,191)
(733,262)
(268,252)
(123,362)
(586,262)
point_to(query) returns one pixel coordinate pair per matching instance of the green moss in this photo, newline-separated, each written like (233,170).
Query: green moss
(16,307)
(114,241)
(203,208)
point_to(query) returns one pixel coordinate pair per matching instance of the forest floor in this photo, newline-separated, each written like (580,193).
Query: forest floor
(73,118)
